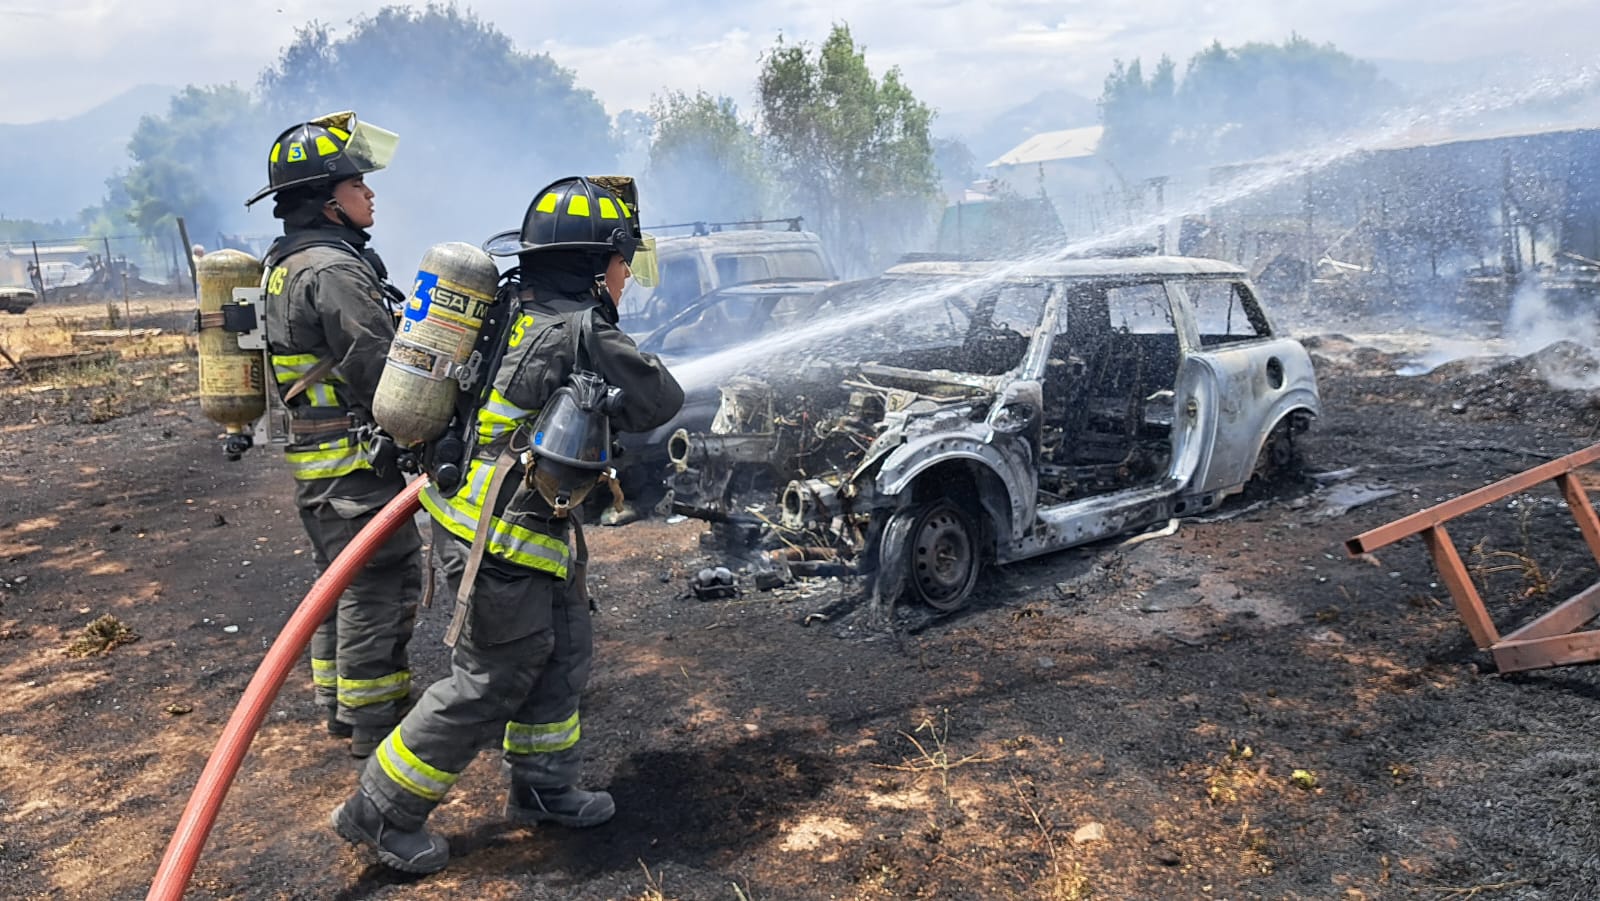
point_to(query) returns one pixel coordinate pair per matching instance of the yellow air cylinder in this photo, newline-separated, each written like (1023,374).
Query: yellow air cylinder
(232,380)
(417,392)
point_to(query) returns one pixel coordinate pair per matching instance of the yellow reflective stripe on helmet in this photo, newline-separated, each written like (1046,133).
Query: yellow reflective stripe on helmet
(542,738)
(625,213)
(512,543)
(327,460)
(325,146)
(608,210)
(362,692)
(338,132)
(547,203)
(273,157)
(410,773)
(578,205)
(324,673)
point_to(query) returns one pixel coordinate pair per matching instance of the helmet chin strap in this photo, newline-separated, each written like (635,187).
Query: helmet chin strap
(343,217)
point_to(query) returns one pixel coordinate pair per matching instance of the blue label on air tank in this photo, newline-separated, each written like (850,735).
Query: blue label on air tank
(421,295)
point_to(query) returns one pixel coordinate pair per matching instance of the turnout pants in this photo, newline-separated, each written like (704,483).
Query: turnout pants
(358,654)
(516,674)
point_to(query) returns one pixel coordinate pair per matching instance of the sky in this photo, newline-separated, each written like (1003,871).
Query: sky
(964,58)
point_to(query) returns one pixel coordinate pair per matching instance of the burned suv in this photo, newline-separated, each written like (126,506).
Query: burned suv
(1005,410)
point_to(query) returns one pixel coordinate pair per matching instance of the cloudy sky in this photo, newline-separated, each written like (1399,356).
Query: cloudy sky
(60,57)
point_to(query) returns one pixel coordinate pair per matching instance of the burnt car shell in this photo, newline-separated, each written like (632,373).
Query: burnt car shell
(1037,406)
(718,320)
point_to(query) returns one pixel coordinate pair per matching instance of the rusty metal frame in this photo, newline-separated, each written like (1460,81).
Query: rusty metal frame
(1548,640)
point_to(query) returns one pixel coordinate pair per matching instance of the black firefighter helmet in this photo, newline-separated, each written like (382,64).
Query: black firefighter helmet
(326,150)
(597,215)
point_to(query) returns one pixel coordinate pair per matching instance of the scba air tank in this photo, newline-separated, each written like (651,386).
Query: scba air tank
(232,379)
(417,392)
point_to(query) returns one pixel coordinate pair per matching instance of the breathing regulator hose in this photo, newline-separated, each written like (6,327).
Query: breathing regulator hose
(189,838)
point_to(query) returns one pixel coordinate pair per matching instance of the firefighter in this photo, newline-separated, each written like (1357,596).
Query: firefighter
(329,324)
(522,637)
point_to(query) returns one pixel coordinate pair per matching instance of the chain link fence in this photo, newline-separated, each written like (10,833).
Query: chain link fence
(109,267)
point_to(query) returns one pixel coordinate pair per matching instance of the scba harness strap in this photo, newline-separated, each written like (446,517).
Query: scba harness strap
(583,328)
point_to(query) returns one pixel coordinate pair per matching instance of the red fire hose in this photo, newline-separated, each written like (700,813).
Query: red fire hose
(183,852)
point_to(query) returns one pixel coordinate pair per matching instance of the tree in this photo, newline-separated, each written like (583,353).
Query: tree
(1236,104)
(956,165)
(854,151)
(190,162)
(630,134)
(1139,115)
(482,125)
(705,163)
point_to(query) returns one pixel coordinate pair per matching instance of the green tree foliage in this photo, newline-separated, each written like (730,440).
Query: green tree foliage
(630,135)
(482,125)
(956,165)
(185,162)
(854,151)
(1235,104)
(705,163)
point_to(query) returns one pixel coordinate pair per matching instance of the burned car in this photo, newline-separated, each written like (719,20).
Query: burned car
(1004,410)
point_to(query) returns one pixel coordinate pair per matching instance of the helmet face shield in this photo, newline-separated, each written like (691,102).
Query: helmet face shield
(644,265)
(369,147)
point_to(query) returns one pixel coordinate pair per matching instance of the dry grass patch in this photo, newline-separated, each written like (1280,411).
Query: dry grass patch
(100,637)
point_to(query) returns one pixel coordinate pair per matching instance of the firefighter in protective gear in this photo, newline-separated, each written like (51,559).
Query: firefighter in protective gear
(522,638)
(329,325)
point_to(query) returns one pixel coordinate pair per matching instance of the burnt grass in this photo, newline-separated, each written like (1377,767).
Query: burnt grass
(1239,710)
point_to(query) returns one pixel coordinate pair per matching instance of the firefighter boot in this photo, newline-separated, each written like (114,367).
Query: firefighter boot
(336,728)
(359,822)
(365,739)
(567,806)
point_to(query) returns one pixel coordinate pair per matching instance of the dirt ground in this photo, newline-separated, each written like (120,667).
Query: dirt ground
(1238,710)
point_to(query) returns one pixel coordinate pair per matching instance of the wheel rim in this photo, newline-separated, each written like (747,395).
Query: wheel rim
(942,559)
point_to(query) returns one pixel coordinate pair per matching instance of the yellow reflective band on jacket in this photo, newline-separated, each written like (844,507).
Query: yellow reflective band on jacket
(542,738)
(499,417)
(290,368)
(410,773)
(512,543)
(327,460)
(324,673)
(364,692)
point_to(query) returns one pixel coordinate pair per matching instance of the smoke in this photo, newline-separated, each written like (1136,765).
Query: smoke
(867,327)
(1564,340)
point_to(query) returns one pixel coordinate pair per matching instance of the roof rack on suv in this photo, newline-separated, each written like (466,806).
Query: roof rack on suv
(706,228)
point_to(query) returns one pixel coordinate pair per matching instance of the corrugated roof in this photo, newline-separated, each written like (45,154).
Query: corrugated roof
(1069,144)
(26,250)
(1433,135)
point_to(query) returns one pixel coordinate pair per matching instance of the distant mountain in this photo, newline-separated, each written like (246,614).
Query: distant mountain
(989,134)
(54,169)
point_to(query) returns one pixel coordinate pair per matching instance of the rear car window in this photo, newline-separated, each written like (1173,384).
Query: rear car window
(1225,311)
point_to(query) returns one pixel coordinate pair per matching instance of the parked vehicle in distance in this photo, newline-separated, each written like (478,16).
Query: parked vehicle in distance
(17,300)
(1012,409)
(718,255)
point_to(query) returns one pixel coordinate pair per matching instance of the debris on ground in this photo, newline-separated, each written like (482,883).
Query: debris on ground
(100,637)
